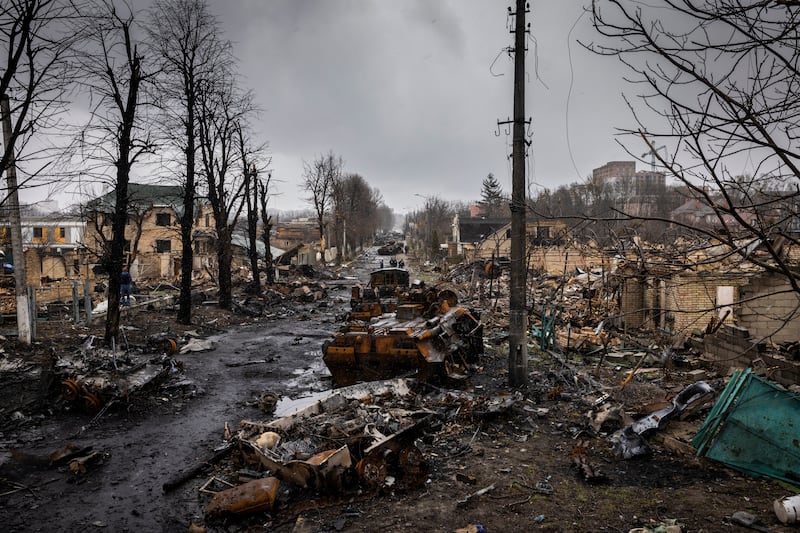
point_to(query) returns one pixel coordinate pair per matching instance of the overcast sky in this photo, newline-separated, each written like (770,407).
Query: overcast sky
(407,93)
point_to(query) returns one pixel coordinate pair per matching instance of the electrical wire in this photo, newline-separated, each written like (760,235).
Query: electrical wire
(569,94)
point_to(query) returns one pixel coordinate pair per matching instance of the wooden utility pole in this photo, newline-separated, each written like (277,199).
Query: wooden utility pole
(20,291)
(517,333)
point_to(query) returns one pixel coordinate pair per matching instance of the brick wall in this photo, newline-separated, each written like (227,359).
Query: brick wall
(632,301)
(768,310)
(691,298)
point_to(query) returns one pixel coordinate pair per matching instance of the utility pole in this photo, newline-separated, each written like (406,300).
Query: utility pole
(20,291)
(518,325)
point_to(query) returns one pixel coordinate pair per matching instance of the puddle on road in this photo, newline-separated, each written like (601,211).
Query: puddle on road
(313,377)
(287,406)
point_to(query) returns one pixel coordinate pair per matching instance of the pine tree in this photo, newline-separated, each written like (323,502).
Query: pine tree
(492,198)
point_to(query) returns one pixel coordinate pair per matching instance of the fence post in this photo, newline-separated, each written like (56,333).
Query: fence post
(76,304)
(87,302)
(32,311)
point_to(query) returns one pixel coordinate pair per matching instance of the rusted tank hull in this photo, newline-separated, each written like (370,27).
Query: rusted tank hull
(433,349)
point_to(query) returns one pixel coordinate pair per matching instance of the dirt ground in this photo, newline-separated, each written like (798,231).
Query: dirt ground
(510,470)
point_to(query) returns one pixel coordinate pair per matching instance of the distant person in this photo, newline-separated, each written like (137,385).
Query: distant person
(125,282)
(381,263)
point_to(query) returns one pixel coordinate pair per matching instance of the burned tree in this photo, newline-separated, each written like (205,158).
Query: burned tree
(115,75)
(193,55)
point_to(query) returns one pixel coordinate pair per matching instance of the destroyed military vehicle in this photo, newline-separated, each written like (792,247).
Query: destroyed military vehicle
(380,295)
(428,334)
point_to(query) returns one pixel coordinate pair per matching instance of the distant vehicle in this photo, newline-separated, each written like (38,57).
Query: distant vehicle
(386,281)
(392,248)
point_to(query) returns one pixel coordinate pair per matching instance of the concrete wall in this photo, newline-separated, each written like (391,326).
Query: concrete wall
(735,347)
(731,347)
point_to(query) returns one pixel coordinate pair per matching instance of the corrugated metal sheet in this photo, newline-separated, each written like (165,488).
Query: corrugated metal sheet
(753,428)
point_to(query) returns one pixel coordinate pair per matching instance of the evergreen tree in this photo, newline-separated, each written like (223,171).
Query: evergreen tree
(492,198)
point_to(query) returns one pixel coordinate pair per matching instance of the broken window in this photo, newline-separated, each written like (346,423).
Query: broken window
(725,300)
(543,232)
(162,219)
(163,246)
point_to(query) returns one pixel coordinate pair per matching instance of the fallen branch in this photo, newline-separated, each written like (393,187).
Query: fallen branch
(474,495)
(182,477)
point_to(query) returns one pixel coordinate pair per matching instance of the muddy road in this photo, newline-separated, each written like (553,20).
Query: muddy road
(522,467)
(147,443)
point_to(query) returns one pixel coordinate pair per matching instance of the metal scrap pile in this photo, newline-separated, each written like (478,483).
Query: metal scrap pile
(358,440)
(95,377)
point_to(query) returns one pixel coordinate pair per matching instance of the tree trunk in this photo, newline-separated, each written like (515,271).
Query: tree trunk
(251,193)
(187,221)
(267,228)
(117,250)
(224,259)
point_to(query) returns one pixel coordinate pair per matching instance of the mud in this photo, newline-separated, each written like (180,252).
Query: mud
(523,455)
(148,442)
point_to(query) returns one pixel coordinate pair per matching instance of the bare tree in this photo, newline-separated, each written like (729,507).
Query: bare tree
(37,39)
(357,203)
(432,225)
(193,55)
(717,80)
(263,191)
(115,75)
(221,109)
(250,171)
(319,178)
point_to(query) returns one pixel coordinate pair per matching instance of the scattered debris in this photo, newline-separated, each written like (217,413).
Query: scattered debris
(465,502)
(629,442)
(788,509)
(251,497)
(197,345)
(748,520)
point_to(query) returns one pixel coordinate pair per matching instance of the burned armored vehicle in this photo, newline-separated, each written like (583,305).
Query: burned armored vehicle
(428,335)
